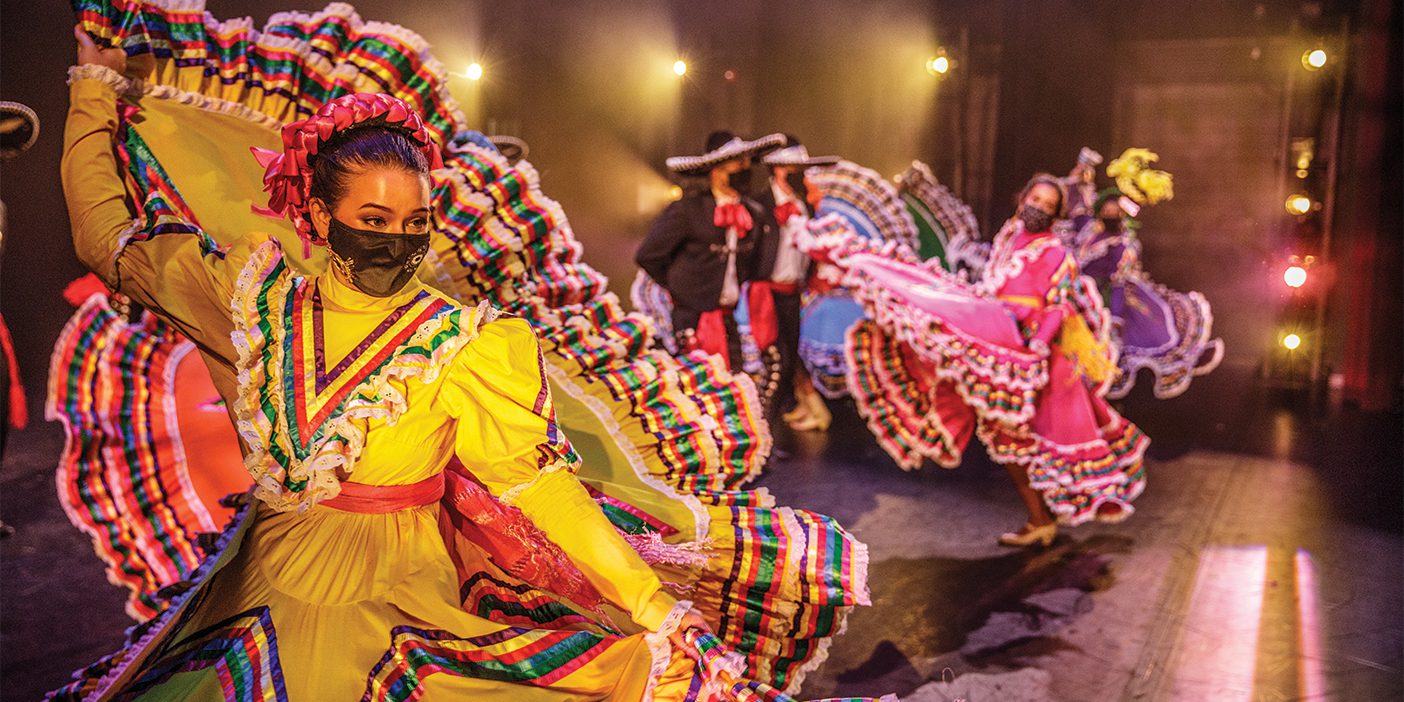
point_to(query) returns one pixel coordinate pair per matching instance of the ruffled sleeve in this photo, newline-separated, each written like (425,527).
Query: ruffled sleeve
(508,438)
(173,274)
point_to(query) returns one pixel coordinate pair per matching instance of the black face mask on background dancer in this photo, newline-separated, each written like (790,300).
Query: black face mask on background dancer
(1111,224)
(377,263)
(1035,220)
(740,181)
(796,181)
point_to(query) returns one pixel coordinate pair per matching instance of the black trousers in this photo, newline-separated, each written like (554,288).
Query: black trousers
(787,319)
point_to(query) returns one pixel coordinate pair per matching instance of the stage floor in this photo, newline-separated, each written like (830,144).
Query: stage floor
(1264,562)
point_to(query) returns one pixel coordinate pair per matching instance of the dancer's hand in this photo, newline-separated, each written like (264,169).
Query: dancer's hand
(89,52)
(692,620)
(115,58)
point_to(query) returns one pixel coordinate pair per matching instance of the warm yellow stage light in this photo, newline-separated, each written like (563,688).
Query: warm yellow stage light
(1298,204)
(1291,342)
(474,72)
(675,193)
(1314,59)
(679,67)
(1294,276)
(938,66)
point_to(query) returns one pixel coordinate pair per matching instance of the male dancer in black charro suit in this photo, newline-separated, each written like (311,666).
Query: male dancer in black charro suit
(703,247)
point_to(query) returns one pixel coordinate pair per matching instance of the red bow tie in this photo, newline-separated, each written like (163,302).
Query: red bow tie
(733,215)
(785,210)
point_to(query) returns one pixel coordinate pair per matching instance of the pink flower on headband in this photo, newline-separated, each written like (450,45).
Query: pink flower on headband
(287,176)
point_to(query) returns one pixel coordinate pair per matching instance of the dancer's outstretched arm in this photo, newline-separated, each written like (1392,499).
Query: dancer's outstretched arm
(171,274)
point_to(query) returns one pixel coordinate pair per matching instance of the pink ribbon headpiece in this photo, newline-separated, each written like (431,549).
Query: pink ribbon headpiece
(287,176)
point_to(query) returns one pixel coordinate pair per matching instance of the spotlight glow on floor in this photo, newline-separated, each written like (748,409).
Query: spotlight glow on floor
(1218,649)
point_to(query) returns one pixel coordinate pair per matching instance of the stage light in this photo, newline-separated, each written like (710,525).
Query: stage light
(1294,276)
(1302,173)
(1298,204)
(1291,342)
(679,67)
(938,65)
(675,193)
(474,72)
(1314,59)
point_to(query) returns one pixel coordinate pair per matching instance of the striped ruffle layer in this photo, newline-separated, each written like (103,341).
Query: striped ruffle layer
(901,403)
(110,384)
(285,71)
(867,201)
(940,216)
(1079,483)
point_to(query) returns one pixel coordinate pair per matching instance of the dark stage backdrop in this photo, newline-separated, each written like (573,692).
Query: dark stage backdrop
(589,85)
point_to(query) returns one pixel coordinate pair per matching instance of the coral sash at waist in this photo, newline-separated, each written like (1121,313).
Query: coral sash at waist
(381,499)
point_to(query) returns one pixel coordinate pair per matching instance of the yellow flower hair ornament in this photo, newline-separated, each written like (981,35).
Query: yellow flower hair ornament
(1134,176)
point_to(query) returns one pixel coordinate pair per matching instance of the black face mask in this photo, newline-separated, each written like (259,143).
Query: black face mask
(1035,220)
(740,181)
(1111,224)
(796,181)
(378,264)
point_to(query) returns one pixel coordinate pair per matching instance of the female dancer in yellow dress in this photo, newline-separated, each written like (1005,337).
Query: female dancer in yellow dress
(365,402)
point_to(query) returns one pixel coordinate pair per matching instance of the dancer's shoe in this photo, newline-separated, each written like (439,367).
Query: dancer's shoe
(818,418)
(1029,535)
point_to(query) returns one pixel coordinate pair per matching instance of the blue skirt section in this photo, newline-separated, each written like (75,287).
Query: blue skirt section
(824,325)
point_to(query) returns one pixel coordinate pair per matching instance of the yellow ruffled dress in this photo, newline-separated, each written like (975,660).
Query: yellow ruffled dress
(320,603)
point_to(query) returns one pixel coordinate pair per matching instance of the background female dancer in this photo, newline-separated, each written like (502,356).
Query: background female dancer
(1019,359)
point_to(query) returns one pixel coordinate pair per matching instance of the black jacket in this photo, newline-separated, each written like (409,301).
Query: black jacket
(765,265)
(684,250)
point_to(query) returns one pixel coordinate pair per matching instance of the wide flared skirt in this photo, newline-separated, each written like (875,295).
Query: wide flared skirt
(1168,332)
(339,605)
(1084,457)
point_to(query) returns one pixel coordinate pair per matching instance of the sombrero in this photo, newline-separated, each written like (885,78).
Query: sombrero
(794,154)
(723,146)
(19,128)
(512,148)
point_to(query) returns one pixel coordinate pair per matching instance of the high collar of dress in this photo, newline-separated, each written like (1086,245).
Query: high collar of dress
(339,296)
